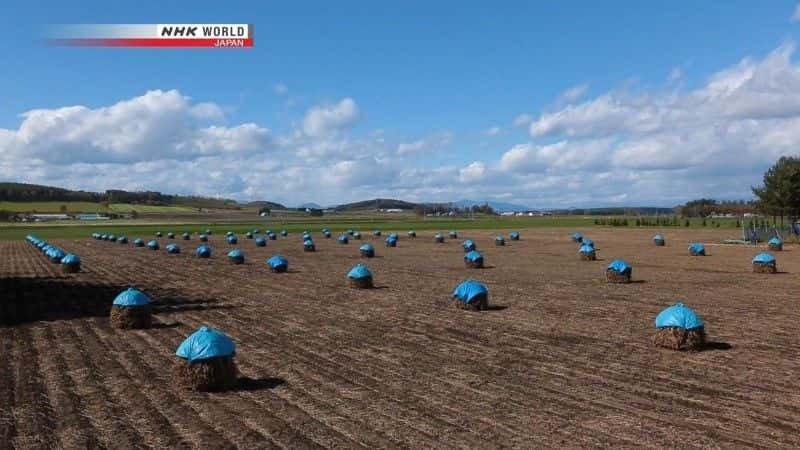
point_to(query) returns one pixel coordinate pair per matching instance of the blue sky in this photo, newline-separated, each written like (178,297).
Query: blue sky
(542,103)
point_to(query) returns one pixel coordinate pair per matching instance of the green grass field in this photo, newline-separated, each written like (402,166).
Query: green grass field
(73,230)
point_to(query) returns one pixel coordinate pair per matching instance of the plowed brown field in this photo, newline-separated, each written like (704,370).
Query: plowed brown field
(562,359)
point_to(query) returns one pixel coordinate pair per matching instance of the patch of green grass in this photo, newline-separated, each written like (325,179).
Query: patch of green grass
(127,208)
(52,207)
(364,224)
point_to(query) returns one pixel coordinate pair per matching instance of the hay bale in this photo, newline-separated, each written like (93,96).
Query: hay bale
(588,256)
(206,375)
(127,318)
(613,276)
(360,283)
(676,338)
(765,268)
(70,268)
(479,303)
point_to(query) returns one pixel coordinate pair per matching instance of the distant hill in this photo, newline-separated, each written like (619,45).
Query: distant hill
(310,205)
(497,206)
(265,204)
(378,203)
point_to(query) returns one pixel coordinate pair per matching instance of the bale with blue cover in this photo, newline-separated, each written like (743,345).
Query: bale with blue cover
(391,241)
(70,263)
(367,251)
(284,233)
(587,253)
(203,238)
(153,245)
(343,239)
(438,238)
(138,242)
(360,277)
(122,240)
(278,264)
(203,251)
(236,256)
(765,263)
(205,362)
(249,235)
(308,246)
(112,238)
(619,271)
(356,235)
(412,233)
(473,260)
(158,234)
(577,237)
(376,233)
(186,236)
(468,246)
(131,310)
(697,249)
(471,295)
(272,236)
(587,242)
(514,236)
(170,235)
(261,242)
(453,234)
(499,241)
(659,241)
(327,234)
(173,249)
(679,328)
(775,244)
(232,240)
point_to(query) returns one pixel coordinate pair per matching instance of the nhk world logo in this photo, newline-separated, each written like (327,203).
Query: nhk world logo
(153,35)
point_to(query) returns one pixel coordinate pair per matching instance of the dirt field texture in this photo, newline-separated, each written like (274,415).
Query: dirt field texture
(561,359)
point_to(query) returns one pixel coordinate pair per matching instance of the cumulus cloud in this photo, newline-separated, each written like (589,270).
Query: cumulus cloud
(523,120)
(322,120)
(156,125)
(472,173)
(493,131)
(574,93)
(429,143)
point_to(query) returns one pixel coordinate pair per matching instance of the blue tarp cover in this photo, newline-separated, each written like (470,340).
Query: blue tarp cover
(249,235)
(131,298)
(588,242)
(138,242)
(206,343)
(173,248)
(284,233)
(514,235)
(203,251)
(499,238)
(473,256)
(620,266)
(586,249)
(764,258)
(367,248)
(468,244)
(70,259)
(678,315)
(356,234)
(236,254)
(277,261)
(308,243)
(438,236)
(577,237)
(343,239)
(394,236)
(358,272)
(232,240)
(261,242)
(697,248)
(306,236)
(153,244)
(658,237)
(229,234)
(468,290)
(122,240)
(775,241)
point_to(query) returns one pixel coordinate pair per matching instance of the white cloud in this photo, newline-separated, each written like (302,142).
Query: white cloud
(574,93)
(322,120)
(523,120)
(472,173)
(493,131)
(425,144)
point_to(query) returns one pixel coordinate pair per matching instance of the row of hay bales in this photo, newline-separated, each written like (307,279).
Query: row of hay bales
(619,271)
(69,262)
